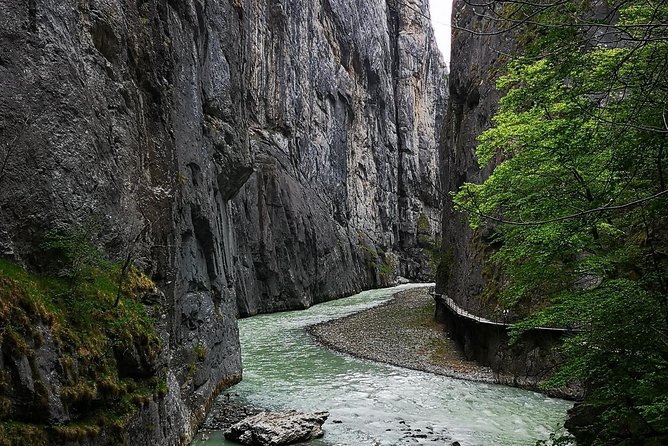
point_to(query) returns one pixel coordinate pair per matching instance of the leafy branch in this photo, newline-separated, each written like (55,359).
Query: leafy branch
(607,208)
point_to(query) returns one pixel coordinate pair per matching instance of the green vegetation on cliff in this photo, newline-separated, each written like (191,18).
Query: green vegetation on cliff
(91,361)
(577,201)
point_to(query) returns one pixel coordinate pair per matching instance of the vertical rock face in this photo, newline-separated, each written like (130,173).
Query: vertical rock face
(474,67)
(344,99)
(112,111)
(481,47)
(253,156)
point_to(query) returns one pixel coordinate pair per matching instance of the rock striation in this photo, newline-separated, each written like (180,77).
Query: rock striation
(344,102)
(250,156)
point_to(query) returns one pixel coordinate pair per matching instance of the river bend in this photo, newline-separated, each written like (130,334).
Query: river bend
(377,404)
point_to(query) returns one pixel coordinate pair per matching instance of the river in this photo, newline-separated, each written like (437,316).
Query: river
(377,404)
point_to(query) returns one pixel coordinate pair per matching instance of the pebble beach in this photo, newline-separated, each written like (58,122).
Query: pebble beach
(401,332)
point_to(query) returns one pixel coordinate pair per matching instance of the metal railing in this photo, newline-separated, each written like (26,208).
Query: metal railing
(452,305)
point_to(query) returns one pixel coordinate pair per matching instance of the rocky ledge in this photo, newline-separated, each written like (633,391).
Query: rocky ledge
(278,428)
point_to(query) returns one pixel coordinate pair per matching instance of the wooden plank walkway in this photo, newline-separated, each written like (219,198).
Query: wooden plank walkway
(452,305)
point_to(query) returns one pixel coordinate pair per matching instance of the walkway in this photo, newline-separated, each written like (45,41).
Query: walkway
(452,305)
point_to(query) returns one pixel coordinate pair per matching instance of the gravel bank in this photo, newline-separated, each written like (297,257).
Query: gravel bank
(401,332)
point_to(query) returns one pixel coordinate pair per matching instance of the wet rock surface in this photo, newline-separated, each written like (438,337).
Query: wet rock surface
(423,434)
(229,410)
(278,428)
(401,332)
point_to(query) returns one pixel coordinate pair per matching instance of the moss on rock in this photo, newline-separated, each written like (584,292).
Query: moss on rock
(98,388)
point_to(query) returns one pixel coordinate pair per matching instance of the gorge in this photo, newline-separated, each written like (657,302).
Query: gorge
(168,167)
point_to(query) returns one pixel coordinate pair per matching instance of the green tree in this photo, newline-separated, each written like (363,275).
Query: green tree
(577,201)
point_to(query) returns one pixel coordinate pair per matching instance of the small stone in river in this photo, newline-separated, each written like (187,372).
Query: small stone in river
(278,428)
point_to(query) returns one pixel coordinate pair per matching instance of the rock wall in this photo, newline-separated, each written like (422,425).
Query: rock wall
(103,109)
(477,56)
(251,156)
(479,50)
(344,101)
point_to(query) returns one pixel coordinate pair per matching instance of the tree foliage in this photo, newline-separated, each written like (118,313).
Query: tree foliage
(577,199)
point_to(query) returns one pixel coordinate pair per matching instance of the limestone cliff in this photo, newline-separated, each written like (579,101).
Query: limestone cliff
(345,101)
(249,156)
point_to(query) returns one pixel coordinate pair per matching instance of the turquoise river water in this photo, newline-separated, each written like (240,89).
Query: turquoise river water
(376,404)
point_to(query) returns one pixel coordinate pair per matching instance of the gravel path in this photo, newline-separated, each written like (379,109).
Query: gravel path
(401,332)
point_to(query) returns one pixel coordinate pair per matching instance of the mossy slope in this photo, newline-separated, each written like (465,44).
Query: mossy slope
(74,365)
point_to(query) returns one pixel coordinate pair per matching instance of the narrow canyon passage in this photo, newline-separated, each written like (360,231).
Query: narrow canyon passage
(372,403)
(178,177)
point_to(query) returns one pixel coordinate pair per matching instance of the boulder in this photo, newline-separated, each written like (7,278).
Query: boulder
(278,428)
